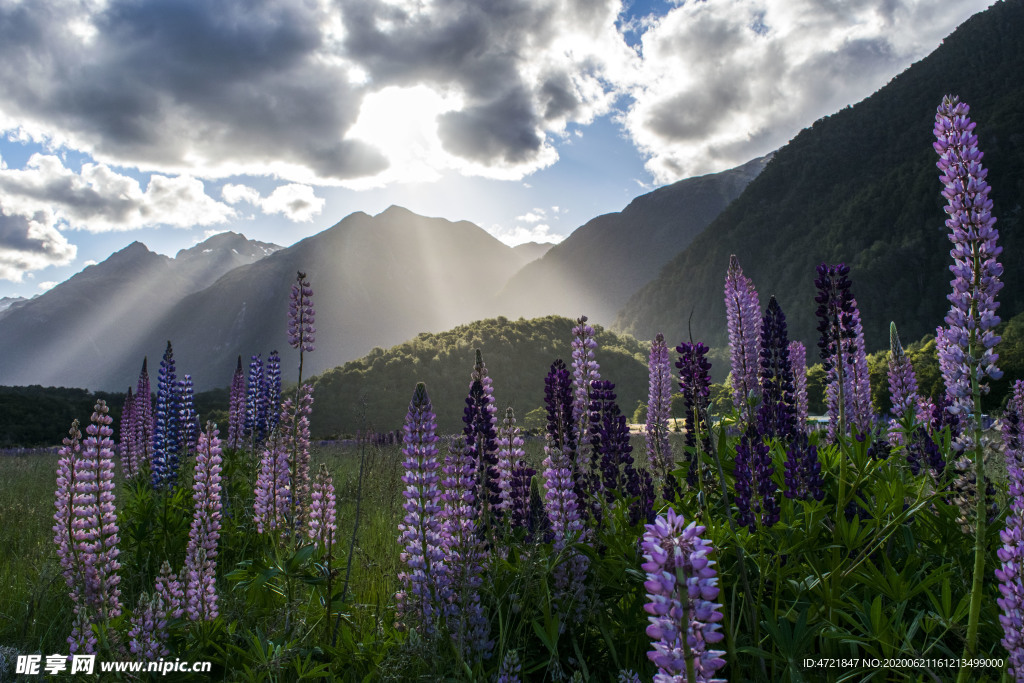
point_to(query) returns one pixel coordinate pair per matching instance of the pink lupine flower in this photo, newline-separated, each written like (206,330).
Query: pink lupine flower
(201,554)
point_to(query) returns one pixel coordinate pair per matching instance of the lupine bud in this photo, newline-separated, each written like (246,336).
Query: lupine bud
(682,585)
(695,385)
(147,637)
(296,445)
(168,587)
(743,316)
(323,510)
(201,553)
(125,447)
(142,417)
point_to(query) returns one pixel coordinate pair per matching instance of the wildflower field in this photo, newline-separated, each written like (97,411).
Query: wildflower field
(750,546)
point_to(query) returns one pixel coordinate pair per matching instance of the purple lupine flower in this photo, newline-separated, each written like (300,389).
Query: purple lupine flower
(558,401)
(970,334)
(659,400)
(481,435)
(296,444)
(1011,555)
(188,417)
(743,315)
(201,554)
(859,378)
(255,407)
(236,408)
(695,385)
(798,361)
(272,499)
(511,670)
(272,390)
(585,371)
(425,583)
(142,415)
(82,639)
(755,488)
(147,638)
(168,587)
(70,486)
(95,528)
(609,440)
(681,585)
(510,456)
(301,315)
(902,380)
(776,416)
(628,676)
(464,554)
(125,447)
(567,527)
(803,470)
(323,510)
(167,425)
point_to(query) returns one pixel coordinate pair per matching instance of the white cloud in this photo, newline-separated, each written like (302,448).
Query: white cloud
(298,203)
(48,285)
(89,262)
(233,194)
(30,243)
(724,82)
(520,234)
(534,216)
(99,199)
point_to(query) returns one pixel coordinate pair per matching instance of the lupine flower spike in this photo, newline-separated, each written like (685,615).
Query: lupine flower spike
(125,448)
(142,417)
(659,399)
(201,554)
(970,355)
(798,361)
(682,585)
(743,315)
(776,416)
(236,408)
(695,385)
(420,601)
(167,426)
(585,371)
(301,317)
(1011,555)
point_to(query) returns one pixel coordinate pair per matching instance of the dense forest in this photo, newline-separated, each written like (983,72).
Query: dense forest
(373,392)
(861,187)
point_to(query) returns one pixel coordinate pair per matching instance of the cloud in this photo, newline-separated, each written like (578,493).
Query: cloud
(98,199)
(298,203)
(48,285)
(520,234)
(535,215)
(30,243)
(724,82)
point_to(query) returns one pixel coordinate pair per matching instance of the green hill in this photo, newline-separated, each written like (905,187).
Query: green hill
(517,353)
(861,187)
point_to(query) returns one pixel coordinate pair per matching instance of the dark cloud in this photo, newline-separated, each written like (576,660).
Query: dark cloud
(29,243)
(504,129)
(164,83)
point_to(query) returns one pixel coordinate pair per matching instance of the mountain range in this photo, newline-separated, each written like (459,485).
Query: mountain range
(859,187)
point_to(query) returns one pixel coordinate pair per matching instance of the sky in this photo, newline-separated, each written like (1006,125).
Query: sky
(167,121)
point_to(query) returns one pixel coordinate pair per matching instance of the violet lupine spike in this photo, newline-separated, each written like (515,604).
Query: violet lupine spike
(798,361)
(422,597)
(147,637)
(464,554)
(511,670)
(272,499)
(972,318)
(323,508)
(659,404)
(743,316)
(204,535)
(609,441)
(125,447)
(301,315)
(859,378)
(142,415)
(272,390)
(167,425)
(96,529)
(69,486)
(902,386)
(236,408)
(563,511)
(296,445)
(803,470)
(82,639)
(189,418)
(695,385)
(755,489)
(169,588)
(1011,556)
(481,437)
(255,408)
(682,585)
(776,416)
(585,371)
(510,454)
